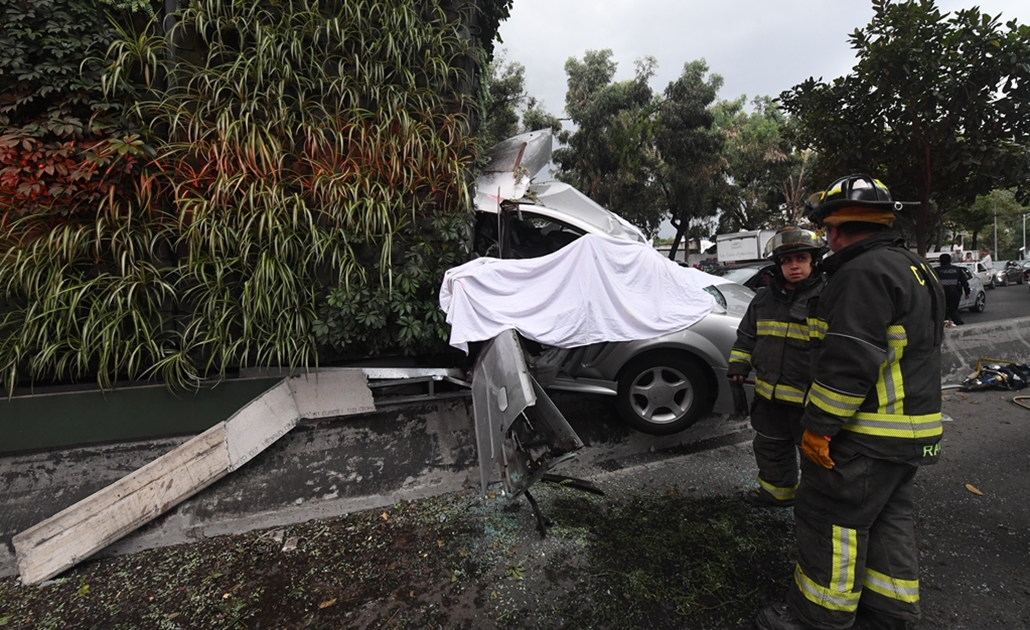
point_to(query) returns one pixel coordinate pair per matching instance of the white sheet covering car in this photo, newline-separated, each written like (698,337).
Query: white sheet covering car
(662,354)
(595,289)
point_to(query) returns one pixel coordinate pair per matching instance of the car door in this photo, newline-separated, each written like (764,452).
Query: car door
(983,273)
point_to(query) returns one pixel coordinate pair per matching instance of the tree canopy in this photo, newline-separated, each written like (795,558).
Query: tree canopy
(689,144)
(609,155)
(648,157)
(766,176)
(938,107)
(506,99)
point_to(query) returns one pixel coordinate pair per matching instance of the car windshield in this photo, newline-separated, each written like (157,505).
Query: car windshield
(733,298)
(720,299)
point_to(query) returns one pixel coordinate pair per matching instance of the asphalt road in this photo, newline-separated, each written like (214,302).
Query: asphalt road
(1002,303)
(973,523)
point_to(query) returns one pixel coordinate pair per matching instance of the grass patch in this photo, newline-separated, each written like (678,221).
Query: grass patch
(455,561)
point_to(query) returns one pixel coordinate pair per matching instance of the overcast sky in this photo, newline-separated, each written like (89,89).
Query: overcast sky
(760,47)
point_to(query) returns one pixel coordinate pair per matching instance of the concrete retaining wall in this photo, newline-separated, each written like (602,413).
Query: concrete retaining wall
(1007,339)
(318,470)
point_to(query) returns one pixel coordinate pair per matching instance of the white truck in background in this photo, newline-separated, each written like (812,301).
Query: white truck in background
(739,247)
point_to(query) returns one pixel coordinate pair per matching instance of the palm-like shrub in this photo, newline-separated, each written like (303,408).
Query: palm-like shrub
(300,176)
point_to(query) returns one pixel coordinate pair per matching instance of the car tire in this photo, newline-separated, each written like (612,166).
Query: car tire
(980,304)
(662,393)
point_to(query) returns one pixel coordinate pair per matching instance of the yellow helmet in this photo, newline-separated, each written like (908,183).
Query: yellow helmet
(790,238)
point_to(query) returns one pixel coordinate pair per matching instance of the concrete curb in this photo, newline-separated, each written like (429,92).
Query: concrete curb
(318,470)
(1007,339)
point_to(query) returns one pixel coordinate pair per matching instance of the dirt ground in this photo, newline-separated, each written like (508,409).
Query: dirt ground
(658,558)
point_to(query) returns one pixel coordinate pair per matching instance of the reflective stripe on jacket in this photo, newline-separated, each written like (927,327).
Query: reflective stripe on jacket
(877,364)
(774,338)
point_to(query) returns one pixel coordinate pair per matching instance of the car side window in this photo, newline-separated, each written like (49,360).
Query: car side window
(536,236)
(529,235)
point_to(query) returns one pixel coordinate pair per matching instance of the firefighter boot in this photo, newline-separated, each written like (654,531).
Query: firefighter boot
(872,620)
(779,617)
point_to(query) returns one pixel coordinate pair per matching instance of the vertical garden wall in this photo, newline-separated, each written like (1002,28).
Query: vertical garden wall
(232,184)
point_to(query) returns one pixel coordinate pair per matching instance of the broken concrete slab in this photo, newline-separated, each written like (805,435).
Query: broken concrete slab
(319,470)
(82,529)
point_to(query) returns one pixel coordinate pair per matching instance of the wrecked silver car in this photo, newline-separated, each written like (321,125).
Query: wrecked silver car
(662,382)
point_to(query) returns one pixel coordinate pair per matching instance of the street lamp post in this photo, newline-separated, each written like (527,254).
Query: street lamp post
(995,230)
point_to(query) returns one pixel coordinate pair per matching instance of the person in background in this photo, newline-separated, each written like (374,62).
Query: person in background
(773,339)
(955,284)
(872,418)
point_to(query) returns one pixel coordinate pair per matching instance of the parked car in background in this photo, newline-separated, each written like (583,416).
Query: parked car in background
(753,275)
(981,271)
(661,385)
(1025,264)
(977,300)
(1007,272)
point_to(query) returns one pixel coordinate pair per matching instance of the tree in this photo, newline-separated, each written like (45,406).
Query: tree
(505,98)
(999,206)
(938,107)
(646,157)
(505,94)
(535,117)
(691,171)
(761,165)
(610,155)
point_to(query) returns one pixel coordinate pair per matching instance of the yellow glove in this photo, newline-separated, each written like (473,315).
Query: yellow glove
(816,448)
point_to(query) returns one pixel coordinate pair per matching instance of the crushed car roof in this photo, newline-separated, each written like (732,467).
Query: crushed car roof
(508,177)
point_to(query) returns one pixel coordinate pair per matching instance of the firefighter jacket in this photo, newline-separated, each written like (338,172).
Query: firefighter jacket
(774,338)
(952,280)
(877,356)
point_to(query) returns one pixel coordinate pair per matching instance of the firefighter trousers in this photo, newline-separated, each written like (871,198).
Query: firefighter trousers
(777,435)
(856,541)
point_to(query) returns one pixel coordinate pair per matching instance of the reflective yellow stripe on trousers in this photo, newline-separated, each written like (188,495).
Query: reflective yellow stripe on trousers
(902,590)
(840,594)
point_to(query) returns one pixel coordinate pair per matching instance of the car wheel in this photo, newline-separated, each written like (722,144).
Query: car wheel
(980,304)
(662,393)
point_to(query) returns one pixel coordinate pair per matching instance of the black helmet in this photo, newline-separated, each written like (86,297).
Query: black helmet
(790,238)
(853,191)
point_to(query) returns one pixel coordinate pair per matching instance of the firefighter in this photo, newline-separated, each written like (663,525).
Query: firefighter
(872,417)
(955,284)
(773,339)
